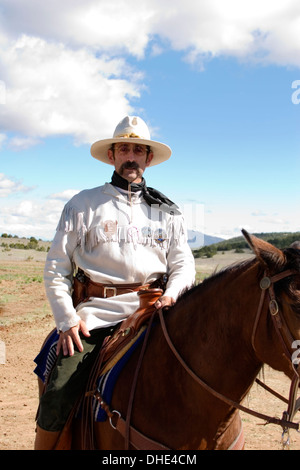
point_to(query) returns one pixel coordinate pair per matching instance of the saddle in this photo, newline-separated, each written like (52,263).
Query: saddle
(130,329)
(115,346)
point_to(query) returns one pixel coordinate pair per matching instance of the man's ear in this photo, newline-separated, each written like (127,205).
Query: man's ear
(110,155)
(149,158)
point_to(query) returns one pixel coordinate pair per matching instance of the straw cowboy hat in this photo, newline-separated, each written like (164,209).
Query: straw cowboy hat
(135,129)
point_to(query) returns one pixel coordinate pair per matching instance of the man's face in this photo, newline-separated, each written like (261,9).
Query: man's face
(130,160)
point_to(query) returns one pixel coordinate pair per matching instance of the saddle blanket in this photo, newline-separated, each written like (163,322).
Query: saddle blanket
(46,358)
(45,361)
(107,381)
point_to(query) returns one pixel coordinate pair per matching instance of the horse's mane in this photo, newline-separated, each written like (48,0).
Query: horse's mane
(293,258)
(230,270)
(292,262)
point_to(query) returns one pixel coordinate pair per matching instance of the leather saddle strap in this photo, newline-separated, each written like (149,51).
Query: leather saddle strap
(137,439)
(135,378)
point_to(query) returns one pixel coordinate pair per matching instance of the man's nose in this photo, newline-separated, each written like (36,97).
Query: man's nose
(131,155)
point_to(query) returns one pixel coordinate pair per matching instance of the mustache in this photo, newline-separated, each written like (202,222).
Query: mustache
(130,165)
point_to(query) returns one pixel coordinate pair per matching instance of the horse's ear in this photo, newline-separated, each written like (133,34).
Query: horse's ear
(267,254)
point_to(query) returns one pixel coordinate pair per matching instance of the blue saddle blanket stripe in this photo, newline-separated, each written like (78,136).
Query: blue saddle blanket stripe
(45,361)
(46,358)
(107,381)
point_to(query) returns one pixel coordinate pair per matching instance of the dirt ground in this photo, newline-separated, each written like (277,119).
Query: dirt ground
(25,320)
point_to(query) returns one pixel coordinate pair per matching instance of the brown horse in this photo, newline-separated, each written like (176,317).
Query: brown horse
(202,358)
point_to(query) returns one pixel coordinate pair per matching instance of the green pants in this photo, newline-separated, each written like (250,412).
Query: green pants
(68,380)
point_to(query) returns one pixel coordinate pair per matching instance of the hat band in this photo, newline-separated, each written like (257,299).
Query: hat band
(132,136)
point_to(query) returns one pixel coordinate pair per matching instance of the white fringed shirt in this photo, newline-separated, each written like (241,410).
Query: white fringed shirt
(114,239)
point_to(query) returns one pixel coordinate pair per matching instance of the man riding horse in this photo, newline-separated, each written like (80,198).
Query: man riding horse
(115,238)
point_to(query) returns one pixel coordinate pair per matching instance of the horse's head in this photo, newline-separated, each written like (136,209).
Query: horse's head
(282,269)
(270,257)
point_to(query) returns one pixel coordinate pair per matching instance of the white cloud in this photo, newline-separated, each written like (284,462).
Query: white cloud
(31,218)
(22,143)
(25,209)
(207,27)
(102,25)
(53,90)
(250,30)
(214,27)
(64,195)
(9,186)
(229,223)
(65,67)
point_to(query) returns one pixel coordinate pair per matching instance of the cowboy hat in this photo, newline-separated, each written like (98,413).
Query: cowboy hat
(135,129)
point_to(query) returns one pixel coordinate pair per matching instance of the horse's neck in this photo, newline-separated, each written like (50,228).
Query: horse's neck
(216,322)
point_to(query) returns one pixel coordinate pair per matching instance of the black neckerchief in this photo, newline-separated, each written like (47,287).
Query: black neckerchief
(151,195)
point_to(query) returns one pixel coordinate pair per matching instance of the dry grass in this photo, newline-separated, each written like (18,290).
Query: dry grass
(25,320)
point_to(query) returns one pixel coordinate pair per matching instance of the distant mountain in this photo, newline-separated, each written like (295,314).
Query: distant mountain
(198,239)
(279,239)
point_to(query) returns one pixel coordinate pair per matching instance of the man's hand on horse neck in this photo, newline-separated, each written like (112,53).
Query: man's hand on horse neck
(164,301)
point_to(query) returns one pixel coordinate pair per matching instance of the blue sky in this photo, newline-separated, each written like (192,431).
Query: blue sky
(218,81)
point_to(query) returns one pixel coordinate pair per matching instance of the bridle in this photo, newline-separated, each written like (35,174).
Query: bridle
(267,285)
(286,340)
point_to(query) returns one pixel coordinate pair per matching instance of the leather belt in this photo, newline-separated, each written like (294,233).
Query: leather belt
(96,289)
(84,288)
